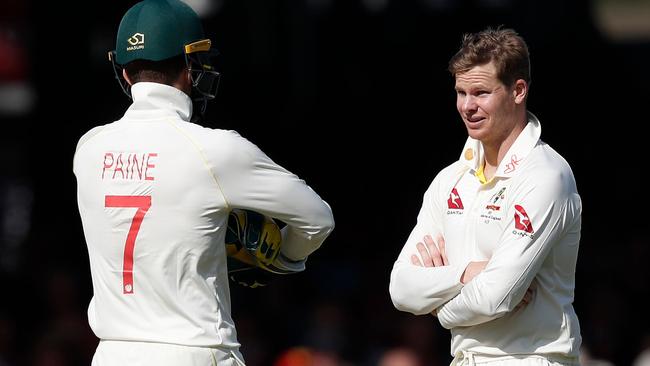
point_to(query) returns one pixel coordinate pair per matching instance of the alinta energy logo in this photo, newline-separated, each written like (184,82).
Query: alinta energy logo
(136,42)
(454,203)
(523,225)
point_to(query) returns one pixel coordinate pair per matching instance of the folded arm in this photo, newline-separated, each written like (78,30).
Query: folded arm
(420,289)
(536,219)
(253,181)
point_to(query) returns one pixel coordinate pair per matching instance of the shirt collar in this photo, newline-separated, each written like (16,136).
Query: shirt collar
(472,155)
(164,98)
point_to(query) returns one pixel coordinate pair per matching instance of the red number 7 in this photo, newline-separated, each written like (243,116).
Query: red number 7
(142,203)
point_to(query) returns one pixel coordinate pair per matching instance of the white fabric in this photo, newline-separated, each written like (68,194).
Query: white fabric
(643,359)
(533,185)
(160,354)
(470,359)
(193,177)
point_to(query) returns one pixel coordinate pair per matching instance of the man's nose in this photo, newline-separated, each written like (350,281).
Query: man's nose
(469,104)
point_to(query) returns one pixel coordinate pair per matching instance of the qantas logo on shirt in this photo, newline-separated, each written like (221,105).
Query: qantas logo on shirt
(454,202)
(522,221)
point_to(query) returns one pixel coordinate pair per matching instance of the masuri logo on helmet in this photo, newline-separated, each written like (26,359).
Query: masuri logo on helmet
(136,42)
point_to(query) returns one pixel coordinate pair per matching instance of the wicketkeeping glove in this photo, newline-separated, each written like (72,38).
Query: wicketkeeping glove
(252,243)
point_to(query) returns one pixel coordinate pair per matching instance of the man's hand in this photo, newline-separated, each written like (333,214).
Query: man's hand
(433,254)
(472,269)
(528,297)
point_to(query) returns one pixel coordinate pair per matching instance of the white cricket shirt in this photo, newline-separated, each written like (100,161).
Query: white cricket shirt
(154,194)
(526,222)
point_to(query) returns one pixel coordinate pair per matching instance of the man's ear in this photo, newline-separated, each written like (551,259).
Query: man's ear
(188,76)
(520,91)
(126,77)
(184,82)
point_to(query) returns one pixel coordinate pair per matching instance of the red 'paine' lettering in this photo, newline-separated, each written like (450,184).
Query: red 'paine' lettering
(107,165)
(128,166)
(118,167)
(146,172)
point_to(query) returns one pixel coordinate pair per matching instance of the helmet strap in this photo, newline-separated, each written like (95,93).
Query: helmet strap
(118,70)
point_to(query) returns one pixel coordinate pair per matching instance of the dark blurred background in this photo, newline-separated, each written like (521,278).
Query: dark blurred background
(354,97)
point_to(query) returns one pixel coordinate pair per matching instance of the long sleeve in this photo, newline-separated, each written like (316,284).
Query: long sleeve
(420,290)
(537,219)
(251,180)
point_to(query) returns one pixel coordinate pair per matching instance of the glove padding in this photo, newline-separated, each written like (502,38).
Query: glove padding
(252,244)
(247,276)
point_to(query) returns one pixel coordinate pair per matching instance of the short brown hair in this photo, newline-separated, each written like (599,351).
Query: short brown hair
(504,47)
(163,72)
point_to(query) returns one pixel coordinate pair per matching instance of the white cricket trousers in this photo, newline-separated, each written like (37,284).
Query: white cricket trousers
(471,359)
(125,353)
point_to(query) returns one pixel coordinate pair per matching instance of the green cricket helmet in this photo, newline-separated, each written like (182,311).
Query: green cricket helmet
(156,30)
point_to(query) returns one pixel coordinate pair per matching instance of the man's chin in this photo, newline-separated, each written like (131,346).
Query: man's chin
(475,133)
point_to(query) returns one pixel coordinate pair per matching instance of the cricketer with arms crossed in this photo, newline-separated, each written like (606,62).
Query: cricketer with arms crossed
(155,192)
(493,254)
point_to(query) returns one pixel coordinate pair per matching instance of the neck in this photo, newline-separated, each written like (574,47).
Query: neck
(184,83)
(496,151)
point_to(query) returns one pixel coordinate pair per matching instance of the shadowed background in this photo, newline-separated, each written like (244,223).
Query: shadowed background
(354,97)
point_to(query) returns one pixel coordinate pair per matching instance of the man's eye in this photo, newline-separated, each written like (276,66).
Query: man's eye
(481,92)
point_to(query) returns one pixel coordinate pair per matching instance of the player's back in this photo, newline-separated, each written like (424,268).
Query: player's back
(154,220)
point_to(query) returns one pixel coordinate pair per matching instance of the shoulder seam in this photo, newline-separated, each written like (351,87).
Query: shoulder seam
(90,137)
(198,148)
(80,145)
